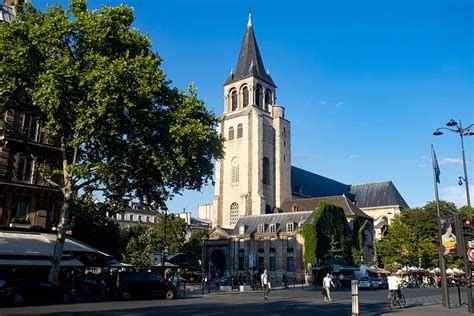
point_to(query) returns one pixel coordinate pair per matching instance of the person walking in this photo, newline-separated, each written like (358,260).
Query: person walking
(264,281)
(327,282)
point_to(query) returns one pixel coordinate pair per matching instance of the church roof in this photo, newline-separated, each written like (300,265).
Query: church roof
(305,184)
(377,194)
(250,61)
(310,204)
(279,219)
(308,184)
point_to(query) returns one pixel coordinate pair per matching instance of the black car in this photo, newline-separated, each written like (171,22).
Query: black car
(20,292)
(126,285)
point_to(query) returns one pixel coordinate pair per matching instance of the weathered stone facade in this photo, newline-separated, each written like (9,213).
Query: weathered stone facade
(259,242)
(254,177)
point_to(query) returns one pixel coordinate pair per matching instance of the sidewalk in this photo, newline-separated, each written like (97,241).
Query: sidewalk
(432,310)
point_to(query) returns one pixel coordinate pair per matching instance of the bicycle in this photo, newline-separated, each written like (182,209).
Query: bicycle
(396,299)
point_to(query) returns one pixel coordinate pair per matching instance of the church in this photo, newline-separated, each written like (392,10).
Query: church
(259,195)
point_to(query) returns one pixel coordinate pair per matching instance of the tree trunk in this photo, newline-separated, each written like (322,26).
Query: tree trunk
(61,237)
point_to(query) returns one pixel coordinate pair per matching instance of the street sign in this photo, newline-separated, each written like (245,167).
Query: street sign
(470,254)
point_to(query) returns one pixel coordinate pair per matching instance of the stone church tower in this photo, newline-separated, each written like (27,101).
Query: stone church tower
(254,177)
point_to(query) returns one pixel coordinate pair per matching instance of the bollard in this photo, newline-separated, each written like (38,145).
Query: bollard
(209,287)
(355,298)
(184,289)
(294,283)
(202,287)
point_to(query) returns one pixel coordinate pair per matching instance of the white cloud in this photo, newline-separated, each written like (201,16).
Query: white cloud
(456,194)
(299,156)
(451,161)
(339,104)
(323,102)
(425,158)
(354,156)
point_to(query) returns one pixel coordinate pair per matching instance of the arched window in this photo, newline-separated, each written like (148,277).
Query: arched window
(234,213)
(231,133)
(245,96)
(239,131)
(266,171)
(258,96)
(235,171)
(234,100)
(268,99)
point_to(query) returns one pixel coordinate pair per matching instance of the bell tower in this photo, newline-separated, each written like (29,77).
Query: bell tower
(254,177)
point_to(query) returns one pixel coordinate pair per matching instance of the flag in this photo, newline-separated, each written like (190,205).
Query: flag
(437,172)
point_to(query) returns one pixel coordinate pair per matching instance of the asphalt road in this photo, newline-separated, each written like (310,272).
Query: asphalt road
(280,302)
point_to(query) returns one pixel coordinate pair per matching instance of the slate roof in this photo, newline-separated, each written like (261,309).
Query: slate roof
(7,14)
(305,184)
(250,61)
(377,194)
(310,204)
(308,184)
(280,219)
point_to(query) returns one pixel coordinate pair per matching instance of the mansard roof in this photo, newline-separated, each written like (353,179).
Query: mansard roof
(377,194)
(305,184)
(250,61)
(311,204)
(279,219)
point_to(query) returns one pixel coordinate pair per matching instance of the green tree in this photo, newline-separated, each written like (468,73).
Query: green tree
(170,233)
(140,251)
(193,249)
(92,226)
(101,90)
(409,237)
(127,233)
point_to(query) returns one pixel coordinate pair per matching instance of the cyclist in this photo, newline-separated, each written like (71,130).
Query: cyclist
(394,286)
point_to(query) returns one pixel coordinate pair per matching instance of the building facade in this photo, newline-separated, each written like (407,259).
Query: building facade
(26,149)
(258,242)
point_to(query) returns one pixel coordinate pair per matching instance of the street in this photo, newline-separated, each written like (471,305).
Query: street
(280,302)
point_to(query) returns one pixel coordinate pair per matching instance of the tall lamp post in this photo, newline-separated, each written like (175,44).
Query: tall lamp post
(456,127)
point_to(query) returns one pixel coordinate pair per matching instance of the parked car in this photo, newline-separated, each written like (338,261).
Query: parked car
(379,283)
(369,283)
(227,280)
(127,285)
(20,292)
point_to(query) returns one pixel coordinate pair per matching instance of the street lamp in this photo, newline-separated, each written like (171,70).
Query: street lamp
(456,127)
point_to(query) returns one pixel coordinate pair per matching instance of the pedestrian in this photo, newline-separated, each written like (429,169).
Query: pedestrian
(264,281)
(327,282)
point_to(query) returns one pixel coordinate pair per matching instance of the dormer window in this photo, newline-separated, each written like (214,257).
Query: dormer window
(289,227)
(272,228)
(242,229)
(261,229)
(300,224)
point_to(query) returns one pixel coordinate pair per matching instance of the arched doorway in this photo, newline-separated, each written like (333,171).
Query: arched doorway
(218,262)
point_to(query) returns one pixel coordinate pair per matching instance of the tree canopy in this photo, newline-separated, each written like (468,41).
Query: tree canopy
(101,91)
(410,235)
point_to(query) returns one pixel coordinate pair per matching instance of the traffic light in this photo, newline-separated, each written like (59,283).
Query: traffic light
(468,230)
(435,237)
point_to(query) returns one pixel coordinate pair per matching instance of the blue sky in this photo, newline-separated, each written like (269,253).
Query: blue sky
(364,83)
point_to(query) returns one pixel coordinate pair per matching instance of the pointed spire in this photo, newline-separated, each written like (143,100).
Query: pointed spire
(250,62)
